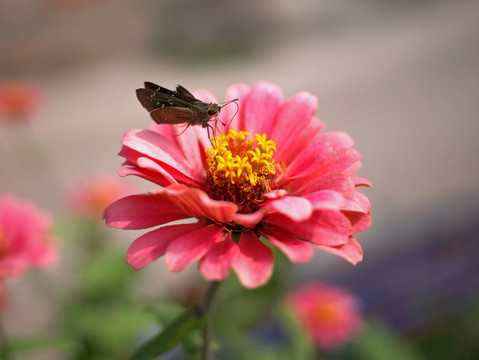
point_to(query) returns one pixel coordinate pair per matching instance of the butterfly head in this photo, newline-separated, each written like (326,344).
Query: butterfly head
(213,110)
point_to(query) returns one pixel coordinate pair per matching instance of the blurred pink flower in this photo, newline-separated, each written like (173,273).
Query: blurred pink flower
(25,238)
(92,196)
(287,184)
(330,315)
(18,101)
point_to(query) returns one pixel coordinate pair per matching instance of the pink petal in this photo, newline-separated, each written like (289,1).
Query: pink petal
(337,139)
(356,201)
(340,160)
(162,179)
(166,130)
(157,147)
(353,168)
(296,250)
(336,181)
(310,160)
(46,254)
(190,246)
(295,208)
(253,262)
(14,266)
(167,172)
(250,220)
(25,237)
(188,142)
(359,221)
(197,203)
(161,172)
(326,199)
(216,264)
(230,113)
(202,136)
(325,227)
(302,141)
(153,244)
(351,251)
(294,116)
(150,165)
(261,106)
(141,212)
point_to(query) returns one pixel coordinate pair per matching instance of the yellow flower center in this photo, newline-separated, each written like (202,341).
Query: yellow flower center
(240,169)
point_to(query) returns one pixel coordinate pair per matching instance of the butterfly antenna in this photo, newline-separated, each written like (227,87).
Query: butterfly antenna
(236,112)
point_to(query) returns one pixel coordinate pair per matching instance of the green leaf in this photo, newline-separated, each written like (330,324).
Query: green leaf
(111,329)
(170,336)
(300,346)
(166,313)
(62,344)
(106,276)
(378,342)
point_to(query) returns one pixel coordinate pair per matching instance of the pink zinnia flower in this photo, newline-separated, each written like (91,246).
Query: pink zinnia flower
(18,101)
(25,238)
(285,183)
(330,315)
(90,197)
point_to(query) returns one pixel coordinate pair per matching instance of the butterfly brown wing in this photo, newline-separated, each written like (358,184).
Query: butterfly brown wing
(180,93)
(174,116)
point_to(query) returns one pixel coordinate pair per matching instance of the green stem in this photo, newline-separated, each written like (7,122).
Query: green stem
(4,348)
(204,307)
(206,353)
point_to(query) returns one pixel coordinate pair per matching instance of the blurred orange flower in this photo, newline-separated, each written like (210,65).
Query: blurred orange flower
(330,315)
(92,196)
(18,101)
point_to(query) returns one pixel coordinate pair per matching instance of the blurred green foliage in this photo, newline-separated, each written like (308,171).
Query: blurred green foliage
(101,316)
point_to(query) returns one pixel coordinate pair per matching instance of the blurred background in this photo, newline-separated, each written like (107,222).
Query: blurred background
(402,78)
